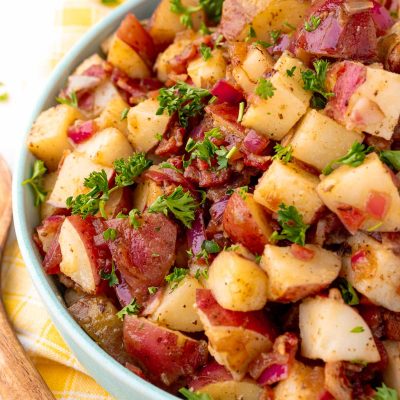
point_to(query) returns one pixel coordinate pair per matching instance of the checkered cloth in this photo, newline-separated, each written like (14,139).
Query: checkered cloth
(60,369)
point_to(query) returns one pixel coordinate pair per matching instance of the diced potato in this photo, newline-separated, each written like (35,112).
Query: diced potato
(162,65)
(75,168)
(288,184)
(303,383)
(97,316)
(375,103)
(333,331)
(374,271)
(111,116)
(144,125)
(119,201)
(106,146)
(145,194)
(122,56)
(103,94)
(46,209)
(264,16)
(237,283)
(205,73)
(245,221)
(233,390)
(318,140)
(48,137)
(391,375)
(177,308)
(373,193)
(291,278)
(95,59)
(164,24)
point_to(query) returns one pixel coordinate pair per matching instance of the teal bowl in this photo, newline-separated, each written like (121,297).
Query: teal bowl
(116,379)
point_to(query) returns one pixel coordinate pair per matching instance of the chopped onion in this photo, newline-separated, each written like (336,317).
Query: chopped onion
(226,92)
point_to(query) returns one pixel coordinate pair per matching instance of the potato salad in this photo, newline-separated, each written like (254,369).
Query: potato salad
(219,198)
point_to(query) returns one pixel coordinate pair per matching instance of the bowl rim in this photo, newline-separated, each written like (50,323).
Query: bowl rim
(64,322)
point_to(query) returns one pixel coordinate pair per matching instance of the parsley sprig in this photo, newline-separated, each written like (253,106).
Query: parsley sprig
(265,89)
(349,295)
(205,52)
(94,201)
(293,227)
(112,277)
(385,393)
(312,24)
(71,100)
(391,158)
(180,203)
(176,276)
(354,157)
(36,182)
(183,99)
(189,395)
(133,308)
(314,81)
(283,153)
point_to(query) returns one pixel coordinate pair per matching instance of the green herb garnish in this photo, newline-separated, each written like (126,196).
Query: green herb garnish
(283,153)
(290,72)
(348,293)
(385,393)
(133,218)
(112,277)
(133,308)
(391,158)
(357,329)
(189,395)
(110,234)
(205,52)
(312,24)
(71,101)
(124,113)
(265,89)
(36,182)
(177,275)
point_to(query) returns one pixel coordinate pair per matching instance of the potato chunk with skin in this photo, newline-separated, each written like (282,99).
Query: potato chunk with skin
(46,209)
(245,221)
(291,278)
(373,201)
(165,24)
(48,137)
(391,375)
(333,331)
(303,383)
(288,184)
(145,194)
(373,269)
(205,73)
(144,125)
(318,140)
(237,283)
(177,308)
(111,116)
(97,316)
(75,168)
(106,146)
(124,57)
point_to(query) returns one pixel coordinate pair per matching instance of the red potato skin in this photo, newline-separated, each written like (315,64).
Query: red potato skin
(143,256)
(132,33)
(48,230)
(255,320)
(53,258)
(241,227)
(211,373)
(165,355)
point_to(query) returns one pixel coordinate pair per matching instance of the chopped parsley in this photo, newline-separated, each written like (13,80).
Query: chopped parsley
(110,234)
(312,24)
(275,35)
(290,72)
(241,111)
(180,203)
(110,2)
(293,227)
(205,52)
(36,182)
(189,395)
(133,218)
(283,153)
(391,158)
(385,393)
(124,113)
(4,95)
(133,308)
(218,42)
(152,289)
(204,29)
(177,275)
(349,295)
(242,192)
(201,273)
(265,89)
(183,99)
(213,9)
(290,26)
(71,101)
(112,277)
(129,169)
(314,81)
(251,33)
(263,43)
(158,136)
(357,329)
(354,158)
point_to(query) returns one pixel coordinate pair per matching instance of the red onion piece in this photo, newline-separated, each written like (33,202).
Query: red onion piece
(381,17)
(197,234)
(78,83)
(218,208)
(255,143)
(273,374)
(226,92)
(96,70)
(82,132)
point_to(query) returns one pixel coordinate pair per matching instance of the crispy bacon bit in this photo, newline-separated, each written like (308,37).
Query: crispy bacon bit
(172,142)
(378,205)
(82,131)
(351,217)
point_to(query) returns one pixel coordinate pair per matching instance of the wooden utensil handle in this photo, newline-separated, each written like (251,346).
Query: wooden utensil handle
(18,377)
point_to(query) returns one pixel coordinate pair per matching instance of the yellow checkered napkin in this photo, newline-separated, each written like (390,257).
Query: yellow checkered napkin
(54,360)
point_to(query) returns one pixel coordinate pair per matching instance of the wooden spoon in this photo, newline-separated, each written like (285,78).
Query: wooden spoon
(18,377)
